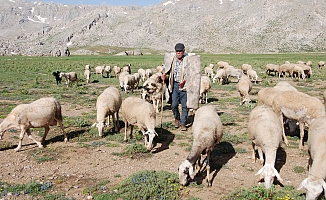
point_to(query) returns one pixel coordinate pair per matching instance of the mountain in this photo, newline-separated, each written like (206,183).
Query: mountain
(213,26)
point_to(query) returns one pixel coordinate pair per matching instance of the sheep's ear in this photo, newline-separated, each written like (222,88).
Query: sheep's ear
(277,174)
(302,184)
(191,172)
(260,171)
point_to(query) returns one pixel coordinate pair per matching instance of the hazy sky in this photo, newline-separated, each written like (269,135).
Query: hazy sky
(105,2)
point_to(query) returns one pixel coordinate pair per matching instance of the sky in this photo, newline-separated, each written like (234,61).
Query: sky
(105,2)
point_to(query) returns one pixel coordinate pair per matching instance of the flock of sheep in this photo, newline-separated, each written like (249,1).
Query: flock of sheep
(276,106)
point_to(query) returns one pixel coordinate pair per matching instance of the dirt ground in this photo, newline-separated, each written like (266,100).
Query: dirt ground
(77,168)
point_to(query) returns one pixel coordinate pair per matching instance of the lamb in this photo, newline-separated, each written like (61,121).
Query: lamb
(87,73)
(142,74)
(220,76)
(108,104)
(70,77)
(57,77)
(272,68)
(315,182)
(252,74)
(265,130)
(244,86)
(209,72)
(245,67)
(300,107)
(42,113)
(205,86)
(137,111)
(99,70)
(116,71)
(321,64)
(108,70)
(207,131)
(222,64)
(129,82)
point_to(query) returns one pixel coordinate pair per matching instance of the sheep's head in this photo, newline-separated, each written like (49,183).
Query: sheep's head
(149,136)
(100,128)
(313,186)
(269,172)
(186,171)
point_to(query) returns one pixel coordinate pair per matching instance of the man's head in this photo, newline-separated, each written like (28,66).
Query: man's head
(179,50)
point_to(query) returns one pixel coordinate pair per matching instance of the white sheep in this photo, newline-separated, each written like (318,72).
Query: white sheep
(129,82)
(272,68)
(265,130)
(244,86)
(42,113)
(207,131)
(70,77)
(160,68)
(205,86)
(298,106)
(298,71)
(127,68)
(148,73)
(137,79)
(209,72)
(108,70)
(116,71)
(220,76)
(245,67)
(87,73)
(252,74)
(232,72)
(99,70)
(321,64)
(222,64)
(137,111)
(307,69)
(315,182)
(142,74)
(108,104)
(121,79)
(285,68)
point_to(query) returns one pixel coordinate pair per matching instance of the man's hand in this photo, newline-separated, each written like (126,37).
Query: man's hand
(182,84)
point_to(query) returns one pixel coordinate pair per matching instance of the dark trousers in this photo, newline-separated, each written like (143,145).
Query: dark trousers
(177,98)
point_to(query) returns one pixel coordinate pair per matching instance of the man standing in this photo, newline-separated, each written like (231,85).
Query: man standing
(177,86)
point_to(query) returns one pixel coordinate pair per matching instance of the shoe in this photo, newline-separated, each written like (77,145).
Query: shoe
(183,128)
(176,123)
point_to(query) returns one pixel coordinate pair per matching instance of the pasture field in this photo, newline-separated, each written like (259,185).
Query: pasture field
(90,166)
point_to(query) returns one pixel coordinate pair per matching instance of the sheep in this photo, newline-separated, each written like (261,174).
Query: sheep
(307,69)
(245,67)
(121,79)
(207,131)
(160,68)
(321,64)
(252,74)
(244,86)
(222,64)
(70,77)
(108,104)
(220,76)
(42,113)
(205,86)
(137,111)
(272,68)
(297,70)
(129,82)
(315,182)
(298,106)
(116,71)
(108,70)
(87,73)
(232,72)
(148,73)
(285,68)
(137,78)
(285,86)
(265,130)
(309,63)
(58,79)
(142,74)
(99,70)
(127,68)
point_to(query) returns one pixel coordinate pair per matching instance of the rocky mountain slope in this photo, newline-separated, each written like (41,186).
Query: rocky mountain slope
(223,26)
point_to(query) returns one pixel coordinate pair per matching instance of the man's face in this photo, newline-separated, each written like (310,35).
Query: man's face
(179,53)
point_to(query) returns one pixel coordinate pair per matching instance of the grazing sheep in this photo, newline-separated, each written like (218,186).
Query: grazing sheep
(285,68)
(108,70)
(70,77)
(108,104)
(244,86)
(121,79)
(87,73)
(222,64)
(321,64)
(99,70)
(265,130)
(42,113)
(252,74)
(297,71)
(298,106)
(315,182)
(205,86)
(137,78)
(309,63)
(58,79)
(142,74)
(220,76)
(127,68)
(207,132)
(129,82)
(232,72)
(307,70)
(245,67)
(148,73)
(160,68)
(116,71)
(137,111)
(272,68)
(209,72)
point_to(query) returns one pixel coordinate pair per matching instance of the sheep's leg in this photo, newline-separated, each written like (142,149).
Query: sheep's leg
(301,126)
(261,156)
(21,136)
(126,125)
(208,170)
(283,133)
(253,156)
(206,97)
(45,134)
(117,121)
(63,131)
(37,142)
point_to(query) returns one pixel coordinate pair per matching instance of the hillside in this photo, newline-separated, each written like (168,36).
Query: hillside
(224,26)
